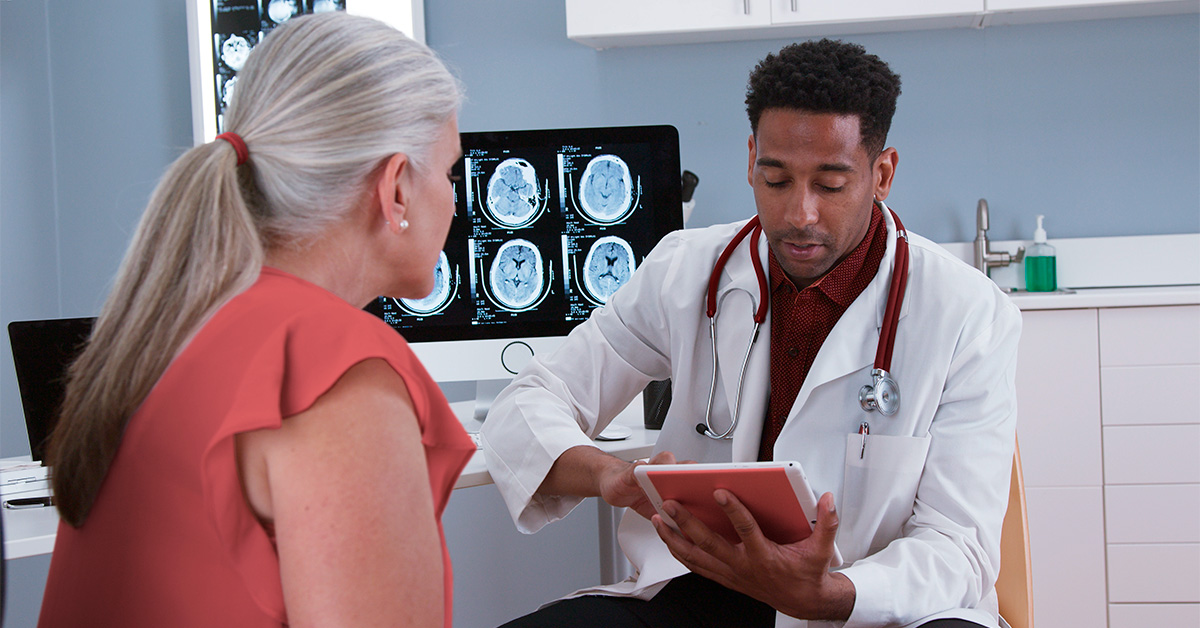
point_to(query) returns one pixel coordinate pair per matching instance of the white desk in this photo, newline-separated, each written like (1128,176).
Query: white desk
(31,531)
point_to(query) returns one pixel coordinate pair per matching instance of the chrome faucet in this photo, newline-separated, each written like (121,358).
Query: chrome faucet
(985,259)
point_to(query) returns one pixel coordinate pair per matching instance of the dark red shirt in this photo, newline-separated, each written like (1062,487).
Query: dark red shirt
(802,319)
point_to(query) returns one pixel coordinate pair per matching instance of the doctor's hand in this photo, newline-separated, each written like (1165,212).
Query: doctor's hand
(794,578)
(620,488)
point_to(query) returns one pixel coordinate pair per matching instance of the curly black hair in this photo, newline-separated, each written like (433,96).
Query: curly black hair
(827,76)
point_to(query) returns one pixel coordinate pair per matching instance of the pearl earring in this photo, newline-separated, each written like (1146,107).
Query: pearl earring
(403,224)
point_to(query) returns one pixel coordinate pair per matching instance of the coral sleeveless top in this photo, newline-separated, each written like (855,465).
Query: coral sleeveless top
(171,540)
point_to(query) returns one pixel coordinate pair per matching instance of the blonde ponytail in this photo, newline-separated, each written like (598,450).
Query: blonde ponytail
(320,103)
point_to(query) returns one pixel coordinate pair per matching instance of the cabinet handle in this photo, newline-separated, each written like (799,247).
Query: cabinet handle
(795,6)
(745,7)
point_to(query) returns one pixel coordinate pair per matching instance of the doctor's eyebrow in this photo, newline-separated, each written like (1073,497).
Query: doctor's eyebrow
(771,162)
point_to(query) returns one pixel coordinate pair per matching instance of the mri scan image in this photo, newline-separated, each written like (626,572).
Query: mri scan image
(513,197)
(227,91)
(516,274)
(234,52)
(281,11)
(606,191)
(608,266)
(321,6)
(439,297)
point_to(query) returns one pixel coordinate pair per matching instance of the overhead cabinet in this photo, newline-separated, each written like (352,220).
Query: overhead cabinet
(609,23)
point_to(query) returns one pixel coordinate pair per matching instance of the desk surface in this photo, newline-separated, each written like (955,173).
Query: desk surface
(31,531)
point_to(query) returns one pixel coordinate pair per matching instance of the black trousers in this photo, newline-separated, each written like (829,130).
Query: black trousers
(689,601)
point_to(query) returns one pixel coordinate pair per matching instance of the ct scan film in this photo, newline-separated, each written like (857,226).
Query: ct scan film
(238,26)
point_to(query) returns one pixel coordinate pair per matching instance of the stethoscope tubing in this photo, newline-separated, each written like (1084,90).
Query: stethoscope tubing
(883,394)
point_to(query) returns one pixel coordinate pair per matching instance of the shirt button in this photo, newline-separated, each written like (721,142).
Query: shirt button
(794,352)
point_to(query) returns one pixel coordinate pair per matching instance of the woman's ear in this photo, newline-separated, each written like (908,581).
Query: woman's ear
(391,191)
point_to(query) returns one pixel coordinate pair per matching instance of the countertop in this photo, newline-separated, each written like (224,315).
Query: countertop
(1107,297)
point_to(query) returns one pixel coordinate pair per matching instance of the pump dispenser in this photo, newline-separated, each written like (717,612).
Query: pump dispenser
(1040,272)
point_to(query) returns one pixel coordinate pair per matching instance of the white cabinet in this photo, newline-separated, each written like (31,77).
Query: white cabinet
(1149,370)
(946,13)
(603,23)
(1003,12)
(1110,441)
(1058,425)
(608,23)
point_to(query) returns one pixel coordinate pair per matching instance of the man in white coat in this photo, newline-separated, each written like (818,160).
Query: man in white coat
(915,502)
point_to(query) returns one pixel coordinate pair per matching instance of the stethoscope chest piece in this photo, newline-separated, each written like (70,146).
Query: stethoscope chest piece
(882,395)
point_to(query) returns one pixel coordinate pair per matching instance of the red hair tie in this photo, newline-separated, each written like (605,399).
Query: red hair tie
(239,146)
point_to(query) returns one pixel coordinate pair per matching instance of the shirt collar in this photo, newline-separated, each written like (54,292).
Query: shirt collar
(839,283)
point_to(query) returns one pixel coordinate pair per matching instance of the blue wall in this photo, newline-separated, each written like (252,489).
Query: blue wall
(1092,123)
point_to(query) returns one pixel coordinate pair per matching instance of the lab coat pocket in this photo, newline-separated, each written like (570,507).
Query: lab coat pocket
(879,489)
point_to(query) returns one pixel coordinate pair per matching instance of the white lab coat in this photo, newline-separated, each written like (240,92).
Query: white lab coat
(920,512)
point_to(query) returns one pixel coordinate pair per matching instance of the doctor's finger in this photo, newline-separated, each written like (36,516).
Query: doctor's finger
(662,457)
(690,555)
(698,532)
(743,522)
(827,525)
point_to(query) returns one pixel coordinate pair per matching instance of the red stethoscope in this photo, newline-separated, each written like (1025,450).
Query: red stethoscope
(881,394)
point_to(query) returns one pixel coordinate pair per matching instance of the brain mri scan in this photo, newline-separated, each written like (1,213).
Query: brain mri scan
(513,197)
(516,274)
(281,10)
(606,191)
(234,52)
(608,266)
(227,91)
(321,6)
(439,297)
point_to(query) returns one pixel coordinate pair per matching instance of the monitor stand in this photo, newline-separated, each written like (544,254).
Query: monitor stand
(486,391)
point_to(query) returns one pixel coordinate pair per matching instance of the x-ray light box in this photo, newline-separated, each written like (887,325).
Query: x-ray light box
(221,34)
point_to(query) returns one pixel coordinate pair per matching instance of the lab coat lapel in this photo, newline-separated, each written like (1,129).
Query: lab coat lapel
(851,344)
(737,299)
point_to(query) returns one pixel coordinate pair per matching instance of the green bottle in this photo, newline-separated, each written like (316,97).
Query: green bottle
(1040,272)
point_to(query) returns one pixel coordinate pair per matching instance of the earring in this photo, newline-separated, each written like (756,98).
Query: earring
(403,224)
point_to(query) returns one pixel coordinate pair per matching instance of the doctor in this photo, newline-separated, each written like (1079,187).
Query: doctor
(914,499)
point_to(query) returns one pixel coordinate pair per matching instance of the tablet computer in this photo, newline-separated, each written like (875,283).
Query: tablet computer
(776,493)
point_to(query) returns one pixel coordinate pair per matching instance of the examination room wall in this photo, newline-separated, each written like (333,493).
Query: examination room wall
(1095,124)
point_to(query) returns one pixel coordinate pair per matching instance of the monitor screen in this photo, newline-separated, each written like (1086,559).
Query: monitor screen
(548,225)
(42,353)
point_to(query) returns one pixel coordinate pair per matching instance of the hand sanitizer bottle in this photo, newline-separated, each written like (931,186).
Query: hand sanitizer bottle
(1040,273)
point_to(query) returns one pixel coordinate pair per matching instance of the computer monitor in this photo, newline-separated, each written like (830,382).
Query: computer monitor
(42,352)
(548,225)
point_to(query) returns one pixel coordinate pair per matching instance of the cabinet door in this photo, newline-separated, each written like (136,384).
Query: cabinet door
(816,11)
(603,23)
(1066,545)
(1058,398)
(1012,5)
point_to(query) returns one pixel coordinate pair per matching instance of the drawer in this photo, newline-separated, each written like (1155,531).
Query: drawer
(1162,513)
(1139,395)
(1152,454)
(1169,572)
(1157,615)
(1137,336)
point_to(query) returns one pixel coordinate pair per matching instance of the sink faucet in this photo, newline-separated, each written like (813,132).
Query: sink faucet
(985,259)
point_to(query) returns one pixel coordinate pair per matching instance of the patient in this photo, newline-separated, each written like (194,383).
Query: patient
(241,445)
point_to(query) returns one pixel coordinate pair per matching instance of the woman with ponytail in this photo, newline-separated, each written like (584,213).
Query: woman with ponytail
(240,444)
